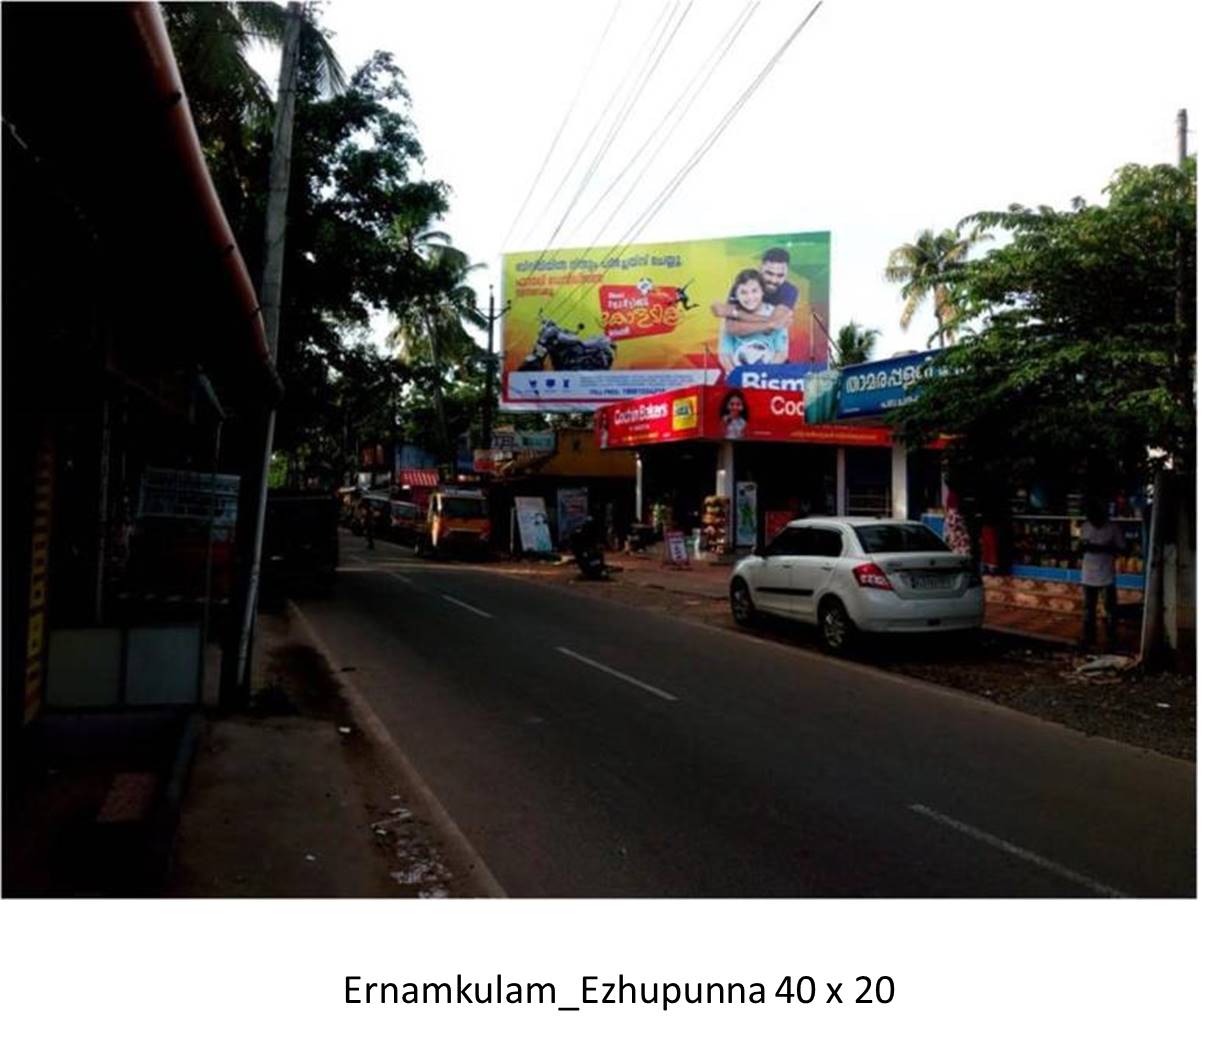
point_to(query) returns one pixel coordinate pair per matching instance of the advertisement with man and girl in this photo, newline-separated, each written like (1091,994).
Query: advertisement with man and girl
(588,326)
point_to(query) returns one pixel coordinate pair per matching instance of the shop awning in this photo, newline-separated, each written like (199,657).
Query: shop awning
(419,478)
(115,142)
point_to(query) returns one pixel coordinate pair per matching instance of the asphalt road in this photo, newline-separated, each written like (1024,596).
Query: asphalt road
(588,749)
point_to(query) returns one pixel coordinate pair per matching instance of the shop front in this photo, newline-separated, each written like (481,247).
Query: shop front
(737,464)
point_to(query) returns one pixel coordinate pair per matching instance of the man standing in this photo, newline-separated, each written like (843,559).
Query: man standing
(779,293)
(1102,541)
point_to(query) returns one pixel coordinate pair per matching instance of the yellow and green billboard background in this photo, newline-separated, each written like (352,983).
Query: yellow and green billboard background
(647,319)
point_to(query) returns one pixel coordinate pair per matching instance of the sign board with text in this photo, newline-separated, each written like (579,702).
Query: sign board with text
(596,324)
(720,413)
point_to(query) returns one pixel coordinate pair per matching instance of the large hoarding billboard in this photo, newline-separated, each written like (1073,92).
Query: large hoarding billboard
(590,326)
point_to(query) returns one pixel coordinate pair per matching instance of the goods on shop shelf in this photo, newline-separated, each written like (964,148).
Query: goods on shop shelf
(715,517)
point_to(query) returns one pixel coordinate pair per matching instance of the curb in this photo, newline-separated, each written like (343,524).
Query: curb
(166,826)
(479,874)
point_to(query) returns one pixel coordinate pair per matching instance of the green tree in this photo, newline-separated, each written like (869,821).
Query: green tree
(231,105)
(1072,366)
(925,268)
(430,333)
(855,344)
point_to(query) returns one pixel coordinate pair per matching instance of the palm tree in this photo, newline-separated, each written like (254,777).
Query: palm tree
(854,344)
(211,42)
(430,324)
(923,268)
(229,101)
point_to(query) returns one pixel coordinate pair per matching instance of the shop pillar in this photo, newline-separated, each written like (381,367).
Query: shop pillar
(638,487)
(725,475)
(900,480)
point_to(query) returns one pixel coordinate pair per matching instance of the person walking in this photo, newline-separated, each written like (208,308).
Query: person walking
(1101,542)
(369,522)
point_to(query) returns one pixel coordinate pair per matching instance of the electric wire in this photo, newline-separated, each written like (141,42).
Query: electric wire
(706,68)
(628,108)
(562,126)
(662,42)
(652,210)
(664,16)
(712,63)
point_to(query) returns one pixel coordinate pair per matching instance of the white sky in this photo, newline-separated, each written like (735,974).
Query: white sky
(881,119)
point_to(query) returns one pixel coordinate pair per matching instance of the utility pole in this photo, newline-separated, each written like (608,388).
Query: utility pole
(491,317)
(1166,489)
(235,688)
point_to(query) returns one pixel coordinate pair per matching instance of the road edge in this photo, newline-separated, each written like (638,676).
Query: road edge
(480,877)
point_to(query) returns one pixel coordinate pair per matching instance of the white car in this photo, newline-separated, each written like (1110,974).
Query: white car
(850,575)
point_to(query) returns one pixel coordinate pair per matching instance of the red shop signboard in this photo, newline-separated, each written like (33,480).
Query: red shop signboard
(720,413)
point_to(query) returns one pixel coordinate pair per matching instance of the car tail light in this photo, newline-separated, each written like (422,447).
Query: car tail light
(869,575)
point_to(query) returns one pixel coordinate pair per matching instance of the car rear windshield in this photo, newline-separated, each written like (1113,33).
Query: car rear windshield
(464,508)
(899,537)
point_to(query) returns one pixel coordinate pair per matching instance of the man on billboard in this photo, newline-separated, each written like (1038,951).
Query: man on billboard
(757,344)
(777,292)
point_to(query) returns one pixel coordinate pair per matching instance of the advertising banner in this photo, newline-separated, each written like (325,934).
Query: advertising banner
(534,526)
(659,418)
(722,413)
(598,324)
(746,515)
(186,494)
(778,415)
(572,510)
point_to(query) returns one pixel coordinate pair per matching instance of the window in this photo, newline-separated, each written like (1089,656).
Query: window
(899,537)
(807,541)
(827,543)
(463,508)
(784,543)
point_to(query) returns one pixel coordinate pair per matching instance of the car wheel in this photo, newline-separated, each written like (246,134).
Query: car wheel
(836,627)
(743,611)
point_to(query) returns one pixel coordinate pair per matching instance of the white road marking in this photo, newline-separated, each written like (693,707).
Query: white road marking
(467,606)
(404,579)
(1018,852)
(616,674)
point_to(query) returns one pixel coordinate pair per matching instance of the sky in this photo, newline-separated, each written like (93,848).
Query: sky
(879,120)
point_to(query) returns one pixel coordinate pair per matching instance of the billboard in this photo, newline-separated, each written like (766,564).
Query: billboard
(589,326)
(725,413)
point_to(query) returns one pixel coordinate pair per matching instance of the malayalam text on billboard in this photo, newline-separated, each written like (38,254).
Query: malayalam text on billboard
(590,326)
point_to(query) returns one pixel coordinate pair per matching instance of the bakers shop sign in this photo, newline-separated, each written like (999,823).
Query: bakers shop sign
(725,413)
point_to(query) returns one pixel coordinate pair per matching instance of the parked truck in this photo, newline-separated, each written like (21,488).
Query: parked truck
(455,520)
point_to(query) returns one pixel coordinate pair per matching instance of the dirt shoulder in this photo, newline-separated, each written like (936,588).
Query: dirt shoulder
(1158,712)
(294,797)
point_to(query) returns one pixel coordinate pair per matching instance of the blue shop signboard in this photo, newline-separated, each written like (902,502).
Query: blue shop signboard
(875,387)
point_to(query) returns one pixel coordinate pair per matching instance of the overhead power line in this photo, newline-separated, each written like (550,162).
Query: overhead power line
(659,48)
(723,48)
(652,210)
(664,16)
(704,73)
(562,126)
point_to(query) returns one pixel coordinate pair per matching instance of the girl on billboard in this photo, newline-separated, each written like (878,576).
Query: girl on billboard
(734,412)
(765,345)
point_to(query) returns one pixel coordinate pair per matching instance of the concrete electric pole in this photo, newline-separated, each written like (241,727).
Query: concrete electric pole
(491,317)
(235,688)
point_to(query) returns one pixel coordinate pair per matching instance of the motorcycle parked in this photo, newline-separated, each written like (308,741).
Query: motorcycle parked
(589,555)
(567,351)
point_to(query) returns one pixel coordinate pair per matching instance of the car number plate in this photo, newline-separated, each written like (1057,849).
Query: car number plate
(929,581)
